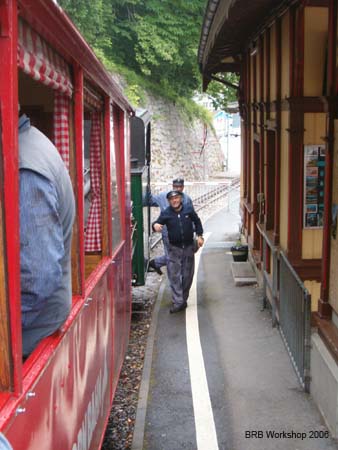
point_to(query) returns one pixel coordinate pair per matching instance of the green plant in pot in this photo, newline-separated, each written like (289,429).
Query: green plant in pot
(239,251)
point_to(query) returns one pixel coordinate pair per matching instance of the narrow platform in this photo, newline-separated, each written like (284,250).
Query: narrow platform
(220,377)
(243,273)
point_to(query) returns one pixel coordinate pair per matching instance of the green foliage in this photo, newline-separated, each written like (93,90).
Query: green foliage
(151,43)
(221,94)
(93,18)
(190,111)
(157,39)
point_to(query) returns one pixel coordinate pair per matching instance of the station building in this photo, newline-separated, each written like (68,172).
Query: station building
(285,52)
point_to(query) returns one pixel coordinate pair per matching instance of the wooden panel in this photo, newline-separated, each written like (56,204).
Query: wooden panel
(91,262)
(251,198)
(315,51)
(314,289)
(104,182)
(266,75)
(273,66)
(5,344)
(5,347)
(252,76)
(270,180)
(75,257)
(258,71)
(312,244)
(284,180)
(315,128)
(285,56)
(333,287)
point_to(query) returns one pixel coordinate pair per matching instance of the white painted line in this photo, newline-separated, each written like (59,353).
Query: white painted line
(206,436)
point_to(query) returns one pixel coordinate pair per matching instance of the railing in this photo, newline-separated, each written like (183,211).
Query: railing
(270,274)
(294,319)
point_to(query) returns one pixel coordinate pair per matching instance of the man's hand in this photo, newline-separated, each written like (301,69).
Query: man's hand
(157,227)
(200,241)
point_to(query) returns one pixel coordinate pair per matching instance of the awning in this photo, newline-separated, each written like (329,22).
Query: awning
(38,60)
(92,99)
(227,29)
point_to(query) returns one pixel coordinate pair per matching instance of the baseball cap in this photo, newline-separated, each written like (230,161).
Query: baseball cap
(173,194)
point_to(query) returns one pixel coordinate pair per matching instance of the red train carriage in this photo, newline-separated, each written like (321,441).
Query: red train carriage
(60,397)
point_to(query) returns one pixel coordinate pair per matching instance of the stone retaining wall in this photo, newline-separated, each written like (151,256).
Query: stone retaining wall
(181,149)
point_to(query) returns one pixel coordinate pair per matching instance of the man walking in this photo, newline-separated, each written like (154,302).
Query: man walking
(160,200)
(179,220)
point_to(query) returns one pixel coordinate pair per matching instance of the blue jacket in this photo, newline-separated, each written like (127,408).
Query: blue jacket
(180,225)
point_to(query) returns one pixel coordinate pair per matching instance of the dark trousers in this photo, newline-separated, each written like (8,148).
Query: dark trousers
(180,267)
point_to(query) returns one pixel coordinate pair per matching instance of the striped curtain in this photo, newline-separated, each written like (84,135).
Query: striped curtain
(94,222)
(61,125)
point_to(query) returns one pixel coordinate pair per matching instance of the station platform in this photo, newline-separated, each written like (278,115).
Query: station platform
(217,375)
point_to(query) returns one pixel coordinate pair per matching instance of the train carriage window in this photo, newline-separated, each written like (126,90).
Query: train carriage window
(94,179)
(115,173)
(45,92)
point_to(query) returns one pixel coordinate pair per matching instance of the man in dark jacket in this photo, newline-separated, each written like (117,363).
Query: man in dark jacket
(179,220)
(160,200)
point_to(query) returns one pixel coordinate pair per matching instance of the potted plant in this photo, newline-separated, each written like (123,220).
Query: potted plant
(239,251)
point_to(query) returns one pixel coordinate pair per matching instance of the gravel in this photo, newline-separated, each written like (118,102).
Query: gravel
(119,433)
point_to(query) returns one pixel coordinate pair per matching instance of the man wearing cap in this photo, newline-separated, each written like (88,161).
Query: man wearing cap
(180,220)
(160,200)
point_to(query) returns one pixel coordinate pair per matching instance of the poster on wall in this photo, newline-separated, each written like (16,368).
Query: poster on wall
(314,173)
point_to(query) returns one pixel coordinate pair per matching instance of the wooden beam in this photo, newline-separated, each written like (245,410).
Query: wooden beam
(296,135)
(324,308)
(6,362)
(10,297)
(278,62)
(78,264)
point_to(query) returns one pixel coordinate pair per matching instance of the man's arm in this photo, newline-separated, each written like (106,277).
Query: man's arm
(150,200)
(197,222)
(187,200)
(41,242)
(159,222)
(198,227)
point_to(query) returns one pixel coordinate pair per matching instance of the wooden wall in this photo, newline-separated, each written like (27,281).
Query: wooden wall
(334,242)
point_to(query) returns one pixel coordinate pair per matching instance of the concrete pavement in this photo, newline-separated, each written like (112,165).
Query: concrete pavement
(256,400)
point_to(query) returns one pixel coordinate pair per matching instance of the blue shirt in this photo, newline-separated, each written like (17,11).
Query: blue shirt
(41,243)
(41,240)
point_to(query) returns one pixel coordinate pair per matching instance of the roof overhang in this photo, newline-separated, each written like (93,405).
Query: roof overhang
(228,27)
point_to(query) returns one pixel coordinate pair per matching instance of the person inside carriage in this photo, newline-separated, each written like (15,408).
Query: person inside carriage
(47,210)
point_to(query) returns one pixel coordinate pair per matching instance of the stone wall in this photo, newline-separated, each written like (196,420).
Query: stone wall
(191,151)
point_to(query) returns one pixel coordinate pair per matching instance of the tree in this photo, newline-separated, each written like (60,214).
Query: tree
(155,38)
(221,95)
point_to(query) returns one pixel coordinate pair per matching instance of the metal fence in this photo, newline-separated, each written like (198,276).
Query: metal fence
(270,278)
(295,319)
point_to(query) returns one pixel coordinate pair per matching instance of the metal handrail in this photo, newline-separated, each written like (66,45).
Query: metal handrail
(295,320)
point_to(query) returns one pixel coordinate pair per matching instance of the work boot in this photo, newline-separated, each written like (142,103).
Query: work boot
(178,308)
(153,266)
